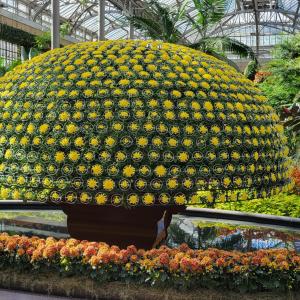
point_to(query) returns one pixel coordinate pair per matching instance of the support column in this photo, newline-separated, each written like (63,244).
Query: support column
(55,36)
(131,31)
(257,21)
(101,21)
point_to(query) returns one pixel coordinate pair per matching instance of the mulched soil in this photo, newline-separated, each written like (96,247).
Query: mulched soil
(53,284)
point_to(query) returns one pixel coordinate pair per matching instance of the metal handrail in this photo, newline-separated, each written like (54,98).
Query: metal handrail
(18,205)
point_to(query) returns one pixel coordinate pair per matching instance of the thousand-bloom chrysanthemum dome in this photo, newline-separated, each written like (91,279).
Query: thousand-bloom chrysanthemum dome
(136,122)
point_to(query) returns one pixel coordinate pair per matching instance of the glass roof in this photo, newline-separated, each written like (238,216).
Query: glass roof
(244,19)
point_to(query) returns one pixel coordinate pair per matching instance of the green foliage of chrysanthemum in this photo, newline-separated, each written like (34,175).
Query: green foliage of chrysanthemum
(136,122)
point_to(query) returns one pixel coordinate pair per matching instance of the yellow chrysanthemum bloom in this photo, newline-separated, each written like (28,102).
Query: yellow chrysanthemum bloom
(128,171)
(59,156)
(101,198)
(92,183)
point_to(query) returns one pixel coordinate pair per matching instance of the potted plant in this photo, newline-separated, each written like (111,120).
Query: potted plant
(122,133)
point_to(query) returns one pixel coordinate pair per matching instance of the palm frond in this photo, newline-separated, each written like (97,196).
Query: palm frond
(161,23)
(209,12)
(149,26)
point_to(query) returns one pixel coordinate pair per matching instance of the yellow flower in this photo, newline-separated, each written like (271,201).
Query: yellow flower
(142,141)
(94,141)
(176,94)
(160,171)
(21,180)
(59,156)
(51,141)
(214,141)
(141,184)
(44,128)
(203,129)
(74,155)
(180,199)
(169,115)
(88,93)
(69,68)
(101,198)
(183,156)
(31,128)
(172,142)
(79,142)
(84,197)
(97,170)
(92,183)
(205,85)
(61,93)
(153,83)
(38,168)
(108,184)
(133,199)
(148,199)
(120,156)
(108,115)
(207,76)
(208,106)
(89,156)
(168,104)
(187,183)
(64,116)
(172,183)
(187,142)
(132,92)
(128,171)
(36,141)
(110,141)
(124,82)
(71,128)
(124,103)
(86,75)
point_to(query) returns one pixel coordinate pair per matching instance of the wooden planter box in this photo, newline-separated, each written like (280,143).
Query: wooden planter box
(117,225)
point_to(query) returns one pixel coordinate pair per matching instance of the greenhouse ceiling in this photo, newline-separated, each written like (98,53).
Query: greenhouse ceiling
(258,23)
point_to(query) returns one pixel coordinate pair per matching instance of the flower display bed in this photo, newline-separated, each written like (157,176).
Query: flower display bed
(179,268)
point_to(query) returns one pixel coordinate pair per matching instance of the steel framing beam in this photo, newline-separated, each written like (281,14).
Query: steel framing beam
(296,16)
(101,20)
(55,35)
(40,10)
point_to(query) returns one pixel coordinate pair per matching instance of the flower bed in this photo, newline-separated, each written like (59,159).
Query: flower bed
(263,270)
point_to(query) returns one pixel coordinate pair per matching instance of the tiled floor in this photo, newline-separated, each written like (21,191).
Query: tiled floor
(17,295)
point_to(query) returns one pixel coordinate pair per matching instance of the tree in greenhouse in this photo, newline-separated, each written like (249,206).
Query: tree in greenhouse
(162,25)
(282,85)
(122,133)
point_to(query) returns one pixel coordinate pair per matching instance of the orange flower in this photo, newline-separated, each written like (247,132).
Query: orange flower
(164,259)
(220,262)
(174,265)
(21,252)
(206,261)
(94,261)
(90,251)
(65,251)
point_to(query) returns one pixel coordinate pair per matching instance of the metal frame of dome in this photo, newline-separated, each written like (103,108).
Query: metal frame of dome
(258,23)
(82,15)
